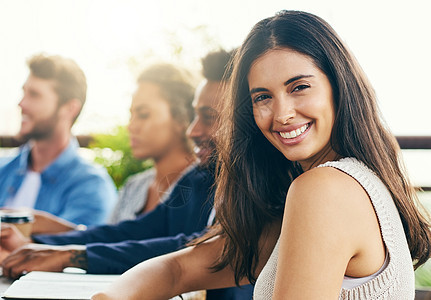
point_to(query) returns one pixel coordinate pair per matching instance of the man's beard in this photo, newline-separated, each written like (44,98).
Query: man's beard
(43,129)
(210,155)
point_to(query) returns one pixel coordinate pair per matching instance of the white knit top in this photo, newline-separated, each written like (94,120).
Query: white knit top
(396,281)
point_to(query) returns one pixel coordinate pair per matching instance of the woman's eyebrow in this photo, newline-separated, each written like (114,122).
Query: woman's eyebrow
(297,78)
(289,81)
(257,90)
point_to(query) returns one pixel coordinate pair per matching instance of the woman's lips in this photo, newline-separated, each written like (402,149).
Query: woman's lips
(293,137)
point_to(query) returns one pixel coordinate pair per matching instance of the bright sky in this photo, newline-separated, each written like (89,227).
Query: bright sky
(112,39)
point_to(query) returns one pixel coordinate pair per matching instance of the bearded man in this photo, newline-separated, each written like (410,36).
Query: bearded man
(47,174)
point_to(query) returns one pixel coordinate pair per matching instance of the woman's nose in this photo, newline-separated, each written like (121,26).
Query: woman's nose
(284,110)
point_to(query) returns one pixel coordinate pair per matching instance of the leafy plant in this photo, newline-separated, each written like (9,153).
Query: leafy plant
(423,275)
(113,152)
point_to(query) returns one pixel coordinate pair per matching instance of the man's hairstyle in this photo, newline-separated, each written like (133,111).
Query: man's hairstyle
(69,80)
(216,66)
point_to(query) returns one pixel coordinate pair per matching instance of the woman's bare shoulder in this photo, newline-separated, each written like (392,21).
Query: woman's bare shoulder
(328,190)
(328,207)
(325,179)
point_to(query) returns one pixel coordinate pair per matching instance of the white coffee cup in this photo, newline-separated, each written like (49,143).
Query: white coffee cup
(21,219)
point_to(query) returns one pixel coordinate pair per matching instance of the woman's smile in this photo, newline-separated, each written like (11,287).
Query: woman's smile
(293,136)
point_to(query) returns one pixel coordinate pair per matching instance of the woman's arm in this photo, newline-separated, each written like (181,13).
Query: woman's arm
(329,229)
(169,275)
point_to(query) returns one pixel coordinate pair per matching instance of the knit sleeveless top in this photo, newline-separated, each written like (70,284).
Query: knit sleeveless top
(396,281)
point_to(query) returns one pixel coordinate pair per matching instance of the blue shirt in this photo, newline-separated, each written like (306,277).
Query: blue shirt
(71,188)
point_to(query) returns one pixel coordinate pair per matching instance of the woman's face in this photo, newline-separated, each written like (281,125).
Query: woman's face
(293,105)
(152,129)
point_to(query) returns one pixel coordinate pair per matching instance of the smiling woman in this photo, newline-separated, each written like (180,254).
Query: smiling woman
(301,75)
(300,118)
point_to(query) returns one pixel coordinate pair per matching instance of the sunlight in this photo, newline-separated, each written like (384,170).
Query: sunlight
(113,40)
(123,27)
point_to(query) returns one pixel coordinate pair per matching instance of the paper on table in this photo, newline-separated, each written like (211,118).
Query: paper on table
(51,285)
(68,286)
(55,276)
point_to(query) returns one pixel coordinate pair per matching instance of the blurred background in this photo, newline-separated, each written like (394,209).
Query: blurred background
(112,40)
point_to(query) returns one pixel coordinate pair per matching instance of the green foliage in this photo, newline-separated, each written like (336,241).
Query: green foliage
(113,152)
(423,275)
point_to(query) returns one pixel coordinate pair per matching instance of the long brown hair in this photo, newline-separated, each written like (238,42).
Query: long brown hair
(253,177)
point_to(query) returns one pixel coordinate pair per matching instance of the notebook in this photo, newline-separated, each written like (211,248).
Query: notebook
(53,285)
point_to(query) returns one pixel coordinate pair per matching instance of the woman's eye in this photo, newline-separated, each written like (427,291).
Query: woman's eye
(300,88)
(260,98)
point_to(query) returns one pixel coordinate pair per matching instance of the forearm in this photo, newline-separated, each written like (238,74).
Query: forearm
(117,258)
(36,257)
(46,223)
(154,278)
(172,274)
(77,257)
(103,234)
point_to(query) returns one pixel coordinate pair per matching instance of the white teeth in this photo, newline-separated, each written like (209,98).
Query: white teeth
(294,133)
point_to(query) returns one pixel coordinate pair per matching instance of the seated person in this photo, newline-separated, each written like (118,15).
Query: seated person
(161,110)
(113,249)
(47,174)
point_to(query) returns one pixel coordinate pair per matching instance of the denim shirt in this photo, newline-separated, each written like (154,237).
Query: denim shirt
(71,188)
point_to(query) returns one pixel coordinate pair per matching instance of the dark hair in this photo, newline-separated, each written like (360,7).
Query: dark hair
(253,176)
(69,79)
(216,66)
(175,86)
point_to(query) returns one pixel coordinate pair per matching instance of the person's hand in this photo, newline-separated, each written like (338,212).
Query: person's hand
(47,223)
(10,239)
(100,296)
(37,257)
